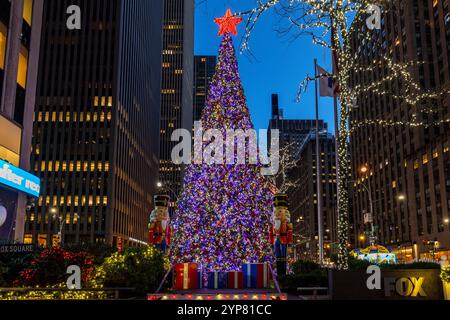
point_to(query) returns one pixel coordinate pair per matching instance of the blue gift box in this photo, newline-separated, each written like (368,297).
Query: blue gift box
(200,279)
(256,275)
(217,280)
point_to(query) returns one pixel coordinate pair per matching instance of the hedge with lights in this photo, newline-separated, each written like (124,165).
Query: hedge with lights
(138,268)
(49,268)
(445,274)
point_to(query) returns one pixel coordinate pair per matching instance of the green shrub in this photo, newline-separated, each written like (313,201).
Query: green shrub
(11,265)
(3,271)
(138,268)
(99,252)
(445,274)
(49,268)
(304,267)
(356,264)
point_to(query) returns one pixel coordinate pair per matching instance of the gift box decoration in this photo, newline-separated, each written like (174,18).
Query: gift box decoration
(185,276)
(201,279)
(256,275)
(217,280)
(235,280)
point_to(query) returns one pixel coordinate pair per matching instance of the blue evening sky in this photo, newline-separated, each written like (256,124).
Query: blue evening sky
(280,63)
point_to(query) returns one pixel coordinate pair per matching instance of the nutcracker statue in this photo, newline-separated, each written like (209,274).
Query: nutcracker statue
(159,228)
(280,235)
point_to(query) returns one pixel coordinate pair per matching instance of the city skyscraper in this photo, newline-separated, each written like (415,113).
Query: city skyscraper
(294,132)
(298,138)
(95,140)
(406,170)
(303,198)
(277,112)
(20,35)
(204,68)
(176,91)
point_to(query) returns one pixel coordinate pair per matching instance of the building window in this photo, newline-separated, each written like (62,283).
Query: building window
(42,240)
(3,35)
(28,239)
(23,67)
(28,11)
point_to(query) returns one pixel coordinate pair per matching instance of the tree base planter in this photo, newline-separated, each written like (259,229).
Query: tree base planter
(446,287)
(412,284)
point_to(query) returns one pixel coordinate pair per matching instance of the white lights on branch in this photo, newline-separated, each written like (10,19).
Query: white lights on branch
(336,25)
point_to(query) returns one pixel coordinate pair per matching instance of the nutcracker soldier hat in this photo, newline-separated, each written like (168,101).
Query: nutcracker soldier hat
(162,200)
(281,201)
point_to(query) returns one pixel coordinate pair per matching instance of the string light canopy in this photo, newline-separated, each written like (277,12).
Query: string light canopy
(337,25)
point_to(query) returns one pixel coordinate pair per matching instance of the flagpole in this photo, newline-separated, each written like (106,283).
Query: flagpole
(318,173)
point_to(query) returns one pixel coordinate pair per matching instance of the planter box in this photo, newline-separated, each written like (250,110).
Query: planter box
(446,286)
(413,284)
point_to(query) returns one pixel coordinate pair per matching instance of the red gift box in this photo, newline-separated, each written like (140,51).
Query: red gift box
(185,276)
(235,280)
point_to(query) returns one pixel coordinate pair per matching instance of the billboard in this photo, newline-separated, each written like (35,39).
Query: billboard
(8,202)
(19,179)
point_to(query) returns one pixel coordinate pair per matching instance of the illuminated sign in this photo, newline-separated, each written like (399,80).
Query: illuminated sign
(19,179)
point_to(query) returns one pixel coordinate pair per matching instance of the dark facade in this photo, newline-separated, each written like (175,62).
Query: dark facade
(294,132)
(303,198)
(277,112)
(177,84)
(408,168)
(204,69)
(95,140)
(20,27)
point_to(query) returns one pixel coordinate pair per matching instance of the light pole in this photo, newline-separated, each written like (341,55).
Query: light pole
(61,223)
(160,185)
(55,213)
(372,239)
(401,197)
(301,239)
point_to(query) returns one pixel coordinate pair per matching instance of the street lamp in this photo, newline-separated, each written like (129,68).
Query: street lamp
(160,185)
(401,197)
(61,222)
(446,220)
(364,170)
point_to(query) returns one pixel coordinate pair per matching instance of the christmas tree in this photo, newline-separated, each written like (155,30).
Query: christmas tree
(224,211)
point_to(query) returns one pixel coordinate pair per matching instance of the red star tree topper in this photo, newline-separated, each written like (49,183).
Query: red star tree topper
(228,23)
